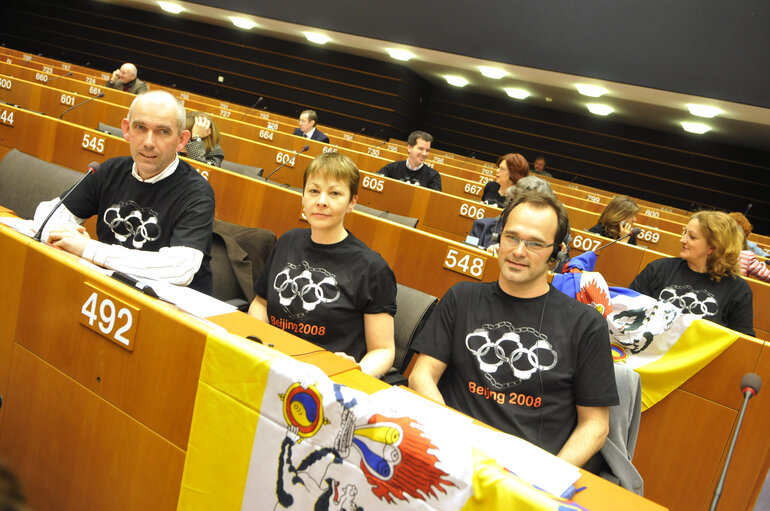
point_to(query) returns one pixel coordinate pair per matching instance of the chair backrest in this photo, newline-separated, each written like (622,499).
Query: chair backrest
(240,168)
(112,130)
(26,181)
(414,307)
(238,254)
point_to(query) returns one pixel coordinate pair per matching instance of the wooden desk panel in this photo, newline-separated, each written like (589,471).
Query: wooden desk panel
(155,383)
(72,450)
(681,440)
(13,247)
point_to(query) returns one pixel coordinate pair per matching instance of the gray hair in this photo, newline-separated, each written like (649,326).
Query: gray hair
(529,183)
(163,99)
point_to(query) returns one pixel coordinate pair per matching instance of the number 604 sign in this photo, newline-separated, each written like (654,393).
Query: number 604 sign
(109,317)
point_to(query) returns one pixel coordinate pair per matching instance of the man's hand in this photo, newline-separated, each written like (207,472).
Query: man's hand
(202,127)
(71,238)
(115,76)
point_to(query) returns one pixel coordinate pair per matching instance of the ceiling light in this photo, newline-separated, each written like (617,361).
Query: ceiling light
(517,93)
(590,90)
(315,37)
(242,22)
(457,81)
(703,110)
(398,54)
(172,8)
(695,127)
(596,108)
(493,72)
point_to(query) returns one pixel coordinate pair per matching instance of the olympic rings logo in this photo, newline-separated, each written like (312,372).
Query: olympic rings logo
(686,299)
(304,287)
(128,221)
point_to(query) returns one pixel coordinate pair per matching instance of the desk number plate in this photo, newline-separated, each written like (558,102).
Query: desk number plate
(109,317)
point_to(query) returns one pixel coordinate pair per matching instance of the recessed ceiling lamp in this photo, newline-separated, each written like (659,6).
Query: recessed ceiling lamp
(695,127)
(398,54)
(703,110)
(172,8)
(493,72)
(517,93)
(242,22)
(315,37)
(596,108)
(457,81)
(590,90)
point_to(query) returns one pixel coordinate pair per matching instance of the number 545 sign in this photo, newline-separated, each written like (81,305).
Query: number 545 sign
(109,317)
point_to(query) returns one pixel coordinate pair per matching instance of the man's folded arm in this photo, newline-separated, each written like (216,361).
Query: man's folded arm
(175,265)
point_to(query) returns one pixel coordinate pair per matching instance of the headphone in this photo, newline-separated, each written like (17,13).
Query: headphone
(559,254)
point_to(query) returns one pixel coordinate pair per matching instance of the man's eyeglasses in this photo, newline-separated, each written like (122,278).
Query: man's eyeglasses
(533,246)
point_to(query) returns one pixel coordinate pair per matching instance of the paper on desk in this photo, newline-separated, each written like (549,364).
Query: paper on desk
(26,227)
(190,300)
(534,465)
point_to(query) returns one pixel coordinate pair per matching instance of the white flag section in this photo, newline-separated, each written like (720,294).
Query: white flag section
(663,345)
(319,443)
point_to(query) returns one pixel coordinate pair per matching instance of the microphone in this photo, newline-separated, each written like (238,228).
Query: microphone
(380,144)
(634,232)
(748,209)
(100,95)
(92,168)
(750,385)
(252,107)
(279,167)
(57,77)
(472,155)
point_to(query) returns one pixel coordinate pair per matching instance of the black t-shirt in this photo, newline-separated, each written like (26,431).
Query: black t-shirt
(321,292)
(599,229)
(727,302)
(492,195)
(424,176)
(175,211)
(507,370)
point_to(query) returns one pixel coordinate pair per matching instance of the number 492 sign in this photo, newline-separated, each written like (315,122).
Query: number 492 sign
(109,317)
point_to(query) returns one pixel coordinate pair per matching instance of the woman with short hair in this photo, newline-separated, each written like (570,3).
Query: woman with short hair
(203,145)
(617,219)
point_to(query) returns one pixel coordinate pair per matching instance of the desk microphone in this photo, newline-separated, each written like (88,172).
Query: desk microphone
(57,77)
(634,232)
(92,168)
(750,385)
(279,167)
(252,107)
(100,95)
(380,144)
(748,209)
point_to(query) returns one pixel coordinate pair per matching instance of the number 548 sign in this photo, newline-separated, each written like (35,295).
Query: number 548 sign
(109,317)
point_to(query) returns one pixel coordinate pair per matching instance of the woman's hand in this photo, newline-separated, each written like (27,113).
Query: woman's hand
(201,128)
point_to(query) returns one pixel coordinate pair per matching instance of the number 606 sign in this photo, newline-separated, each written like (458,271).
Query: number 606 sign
(109,317)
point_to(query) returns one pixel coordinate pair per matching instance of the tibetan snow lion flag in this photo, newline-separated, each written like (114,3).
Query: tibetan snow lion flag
(653,337)
(271,433)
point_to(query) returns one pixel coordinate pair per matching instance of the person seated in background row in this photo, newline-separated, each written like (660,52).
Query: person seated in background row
(125,79)
(154,211)
(204,140)
(518,354)
(538,167)
(705,279)
(750,265)
(510,168)
(324,285)
(307,127)
(414,169)
(617,219)
(744,223)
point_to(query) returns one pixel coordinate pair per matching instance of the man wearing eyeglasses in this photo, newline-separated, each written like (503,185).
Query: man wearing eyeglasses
(519,354)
